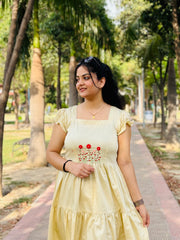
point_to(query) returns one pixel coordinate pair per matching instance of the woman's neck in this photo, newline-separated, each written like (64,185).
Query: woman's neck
(93,103)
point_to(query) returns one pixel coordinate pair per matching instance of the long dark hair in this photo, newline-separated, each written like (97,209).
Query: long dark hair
(110,91)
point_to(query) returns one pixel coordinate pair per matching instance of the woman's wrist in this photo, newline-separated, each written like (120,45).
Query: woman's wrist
(138,202)
(65,166)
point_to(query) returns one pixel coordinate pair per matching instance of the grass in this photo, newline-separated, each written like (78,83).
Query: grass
(19,201)
(20,153)
(10,117)
(22,200)
(178,155)
(156,152)
(10,137)
(20,184)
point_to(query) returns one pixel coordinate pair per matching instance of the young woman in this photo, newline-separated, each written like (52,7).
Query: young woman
(96,194)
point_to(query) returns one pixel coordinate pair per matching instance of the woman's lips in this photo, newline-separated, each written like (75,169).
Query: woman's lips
(82,89)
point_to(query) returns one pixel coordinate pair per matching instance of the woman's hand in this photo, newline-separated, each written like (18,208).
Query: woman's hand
(81,170)
(144,214)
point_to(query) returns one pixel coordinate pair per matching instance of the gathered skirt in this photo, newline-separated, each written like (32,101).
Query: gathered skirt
(95,208)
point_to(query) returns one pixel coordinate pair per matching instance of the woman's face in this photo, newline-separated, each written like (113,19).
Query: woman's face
(84,84)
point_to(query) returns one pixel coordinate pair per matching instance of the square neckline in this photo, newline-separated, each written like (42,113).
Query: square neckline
(93,120)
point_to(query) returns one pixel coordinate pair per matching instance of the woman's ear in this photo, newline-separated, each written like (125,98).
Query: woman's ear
(102,82)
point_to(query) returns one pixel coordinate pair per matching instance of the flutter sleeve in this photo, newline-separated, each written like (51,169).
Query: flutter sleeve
(61,119)
(124,118)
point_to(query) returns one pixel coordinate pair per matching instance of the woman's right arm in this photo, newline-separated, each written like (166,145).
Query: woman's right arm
(55,159)
(55,146)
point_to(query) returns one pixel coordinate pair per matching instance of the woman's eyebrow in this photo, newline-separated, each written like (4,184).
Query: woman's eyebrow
(83,75)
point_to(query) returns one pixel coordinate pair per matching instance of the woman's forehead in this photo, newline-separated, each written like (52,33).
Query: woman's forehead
(82,70)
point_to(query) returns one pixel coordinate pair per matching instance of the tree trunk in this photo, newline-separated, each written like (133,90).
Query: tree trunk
(58,90)
(27,108)
(8,77)
(162,113)
(2,113)
(73,96)
(37,149)
(36,154)
(172,131)
(12,34)
(176,31)
(155,104)
(16,110)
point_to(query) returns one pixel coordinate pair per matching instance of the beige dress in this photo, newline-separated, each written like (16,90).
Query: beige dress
(98,207)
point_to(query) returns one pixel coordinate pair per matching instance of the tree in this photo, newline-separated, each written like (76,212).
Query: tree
(155,27)
(172,132)
(73,96)
(155,57)
(165,24)
(36,154)
(37,149)
(60,31)
(176,30)
(14,45)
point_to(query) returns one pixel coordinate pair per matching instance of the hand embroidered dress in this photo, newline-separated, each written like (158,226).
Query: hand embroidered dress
(98,207)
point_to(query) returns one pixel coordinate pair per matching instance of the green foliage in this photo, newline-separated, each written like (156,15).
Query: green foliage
(146,33)
(50,107)
(161,25)
(5,3)
(22,200)
(57,27)
(50,96)
(153,50)
(19,184)
(130,30)
(132,10)
(5,17)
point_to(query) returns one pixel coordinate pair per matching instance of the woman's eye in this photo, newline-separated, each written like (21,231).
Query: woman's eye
(86,78)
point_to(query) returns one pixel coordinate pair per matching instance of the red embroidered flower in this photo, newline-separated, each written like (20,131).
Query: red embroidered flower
(98,148)
(80,146)
(88,146)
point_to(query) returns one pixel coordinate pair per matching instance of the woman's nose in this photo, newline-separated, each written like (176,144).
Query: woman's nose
(80,81)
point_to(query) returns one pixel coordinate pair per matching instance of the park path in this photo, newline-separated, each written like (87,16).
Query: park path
(161,204)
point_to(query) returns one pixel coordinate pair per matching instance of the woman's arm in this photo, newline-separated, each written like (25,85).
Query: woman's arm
(127,169)
(55,159)
(55,146)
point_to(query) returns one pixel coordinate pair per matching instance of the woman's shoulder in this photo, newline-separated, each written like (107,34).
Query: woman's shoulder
(121,118)
(64,117)
(118,111)
(67,111)
(121,114)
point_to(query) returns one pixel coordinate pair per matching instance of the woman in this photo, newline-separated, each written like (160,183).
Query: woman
(96,194)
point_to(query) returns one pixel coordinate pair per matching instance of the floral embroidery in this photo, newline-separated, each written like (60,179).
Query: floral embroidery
(89,153)
(88,146)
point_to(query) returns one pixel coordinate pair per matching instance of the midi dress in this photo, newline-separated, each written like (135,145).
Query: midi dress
(98,207)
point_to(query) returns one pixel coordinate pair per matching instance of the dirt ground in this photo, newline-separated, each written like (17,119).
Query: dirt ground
(168,160)
(22,185)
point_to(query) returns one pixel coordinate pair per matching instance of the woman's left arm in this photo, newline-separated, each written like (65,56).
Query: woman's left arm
(127,169)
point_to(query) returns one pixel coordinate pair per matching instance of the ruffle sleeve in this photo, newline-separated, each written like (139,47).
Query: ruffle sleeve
(124,118)
(61,119)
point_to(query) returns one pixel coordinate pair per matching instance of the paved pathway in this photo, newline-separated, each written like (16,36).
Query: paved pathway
(163,208)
